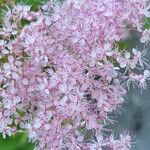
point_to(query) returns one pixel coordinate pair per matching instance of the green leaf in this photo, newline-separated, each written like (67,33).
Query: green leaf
(17,142)
(34,3)
(147,23)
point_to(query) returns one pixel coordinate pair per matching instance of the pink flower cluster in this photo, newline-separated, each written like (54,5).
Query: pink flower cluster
(62,74)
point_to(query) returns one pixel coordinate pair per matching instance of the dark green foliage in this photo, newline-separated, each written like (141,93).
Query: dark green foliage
(147,23)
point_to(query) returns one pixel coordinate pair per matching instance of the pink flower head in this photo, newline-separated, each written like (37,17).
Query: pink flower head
(62,73)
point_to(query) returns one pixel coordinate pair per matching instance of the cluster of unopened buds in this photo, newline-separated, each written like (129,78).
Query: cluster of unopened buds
(61,73)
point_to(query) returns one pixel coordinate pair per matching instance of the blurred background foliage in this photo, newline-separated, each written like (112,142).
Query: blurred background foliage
(17,142)
(20,140)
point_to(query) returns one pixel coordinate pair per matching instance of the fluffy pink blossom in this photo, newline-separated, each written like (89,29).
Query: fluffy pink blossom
(63,74)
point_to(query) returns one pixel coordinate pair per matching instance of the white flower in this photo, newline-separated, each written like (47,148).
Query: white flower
(41,86)
(4,51)
(6,66)
(14,32)
(25,81)
(16,100)
(47,126)
(134,51)
(146,11)
(1,77)
(56,17)
(63,100)
(127,55)
(53,81)
(8,104)
(15,75)
(31,89)
(133,64)
(145,36)
(146,73)
(37,123)
(11,59)
(2,42)
(123,64)
(32,134)
(26,8)
(82,42)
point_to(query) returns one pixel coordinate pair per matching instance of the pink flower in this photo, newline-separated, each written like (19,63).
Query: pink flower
(62,73)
